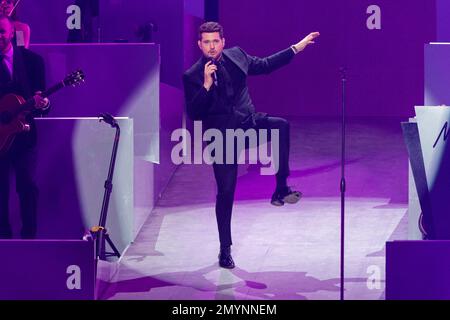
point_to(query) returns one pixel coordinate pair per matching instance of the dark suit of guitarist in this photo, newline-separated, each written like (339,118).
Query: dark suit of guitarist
(26,79)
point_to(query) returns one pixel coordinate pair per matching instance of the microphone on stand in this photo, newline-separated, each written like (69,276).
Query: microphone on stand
(109,119)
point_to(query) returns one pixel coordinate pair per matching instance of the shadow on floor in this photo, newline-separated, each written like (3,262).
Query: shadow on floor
(233,284)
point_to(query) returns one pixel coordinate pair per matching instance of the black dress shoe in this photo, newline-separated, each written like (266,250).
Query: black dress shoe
(225,259)
(285,195)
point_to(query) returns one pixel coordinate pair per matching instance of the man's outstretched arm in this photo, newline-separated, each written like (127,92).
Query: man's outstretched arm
(266,65)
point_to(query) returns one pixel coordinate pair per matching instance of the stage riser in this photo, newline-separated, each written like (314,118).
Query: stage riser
(418,270)
(47,270)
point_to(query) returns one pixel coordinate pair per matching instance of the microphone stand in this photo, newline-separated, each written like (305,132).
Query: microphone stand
(100,233)
(342,72)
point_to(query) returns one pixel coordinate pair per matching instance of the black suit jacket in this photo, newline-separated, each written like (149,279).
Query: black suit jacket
(201,104)
(28,77)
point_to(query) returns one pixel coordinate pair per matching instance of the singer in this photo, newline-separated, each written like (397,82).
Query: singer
(216,93)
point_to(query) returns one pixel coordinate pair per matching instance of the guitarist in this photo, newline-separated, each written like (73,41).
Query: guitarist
(22,72)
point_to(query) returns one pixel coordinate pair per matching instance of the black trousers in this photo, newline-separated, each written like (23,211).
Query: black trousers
(226,176)
(21,161)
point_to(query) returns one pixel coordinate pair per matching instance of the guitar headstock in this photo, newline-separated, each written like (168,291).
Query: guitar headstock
(74,79)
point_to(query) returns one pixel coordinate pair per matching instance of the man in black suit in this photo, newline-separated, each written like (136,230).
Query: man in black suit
(22,72)
(216,93)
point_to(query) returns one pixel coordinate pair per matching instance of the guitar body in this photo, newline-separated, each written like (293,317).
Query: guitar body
(12,122)
(14,109)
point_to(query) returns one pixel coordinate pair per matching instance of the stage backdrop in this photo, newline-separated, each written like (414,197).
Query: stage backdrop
(443,16)
(380,43)
(117,21)
(174,25)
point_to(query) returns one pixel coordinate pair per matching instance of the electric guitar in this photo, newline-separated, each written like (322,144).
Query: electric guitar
(14,109)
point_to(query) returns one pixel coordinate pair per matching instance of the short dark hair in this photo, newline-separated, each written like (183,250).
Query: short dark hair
(209,27)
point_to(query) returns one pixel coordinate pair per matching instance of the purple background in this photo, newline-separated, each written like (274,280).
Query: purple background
(119,19)
(384,67)
(443,17)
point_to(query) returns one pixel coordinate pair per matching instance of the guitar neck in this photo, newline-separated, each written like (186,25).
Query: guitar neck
(29,104)
(53,89)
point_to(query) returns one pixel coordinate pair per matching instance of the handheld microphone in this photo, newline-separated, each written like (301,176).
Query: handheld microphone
(214,76)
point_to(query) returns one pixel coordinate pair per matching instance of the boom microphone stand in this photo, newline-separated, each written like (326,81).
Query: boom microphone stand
(342,72)
(100,233)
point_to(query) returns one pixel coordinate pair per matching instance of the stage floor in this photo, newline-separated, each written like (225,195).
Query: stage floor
(289,252)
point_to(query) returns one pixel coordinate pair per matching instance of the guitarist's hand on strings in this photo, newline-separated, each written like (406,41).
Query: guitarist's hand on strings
(39,101)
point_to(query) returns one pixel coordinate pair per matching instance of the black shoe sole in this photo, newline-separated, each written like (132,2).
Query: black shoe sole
(277,203)
(290,198)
